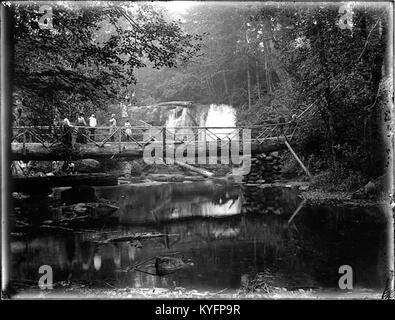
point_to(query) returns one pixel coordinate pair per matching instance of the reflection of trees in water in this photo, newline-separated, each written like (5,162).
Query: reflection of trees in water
(161,202)
(137,199)
(309,250)
(69,256)
(280,201)
(308,253)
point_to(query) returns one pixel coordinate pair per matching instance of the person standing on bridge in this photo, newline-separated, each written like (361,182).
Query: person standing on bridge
(81,138)
(67,137)
(113,126)
(92,125)
(56,123)
(128,130)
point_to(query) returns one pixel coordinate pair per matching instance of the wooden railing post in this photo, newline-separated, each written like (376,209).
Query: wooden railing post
(24,143)
(164,144)
(196,134)
(120,140)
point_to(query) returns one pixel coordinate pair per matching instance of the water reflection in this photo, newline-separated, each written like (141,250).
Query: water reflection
(96,262)
(208,223)
(153,203)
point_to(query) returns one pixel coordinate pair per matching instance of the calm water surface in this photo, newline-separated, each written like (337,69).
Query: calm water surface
(227,239)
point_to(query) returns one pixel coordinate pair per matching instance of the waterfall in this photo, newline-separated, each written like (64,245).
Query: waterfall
(178,117)
(220,116)
(206,116)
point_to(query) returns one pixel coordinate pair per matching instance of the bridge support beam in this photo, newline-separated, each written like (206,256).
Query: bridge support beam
(297,158)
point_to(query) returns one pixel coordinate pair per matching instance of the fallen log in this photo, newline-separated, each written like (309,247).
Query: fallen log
(129,150)
(194,169)
(21,184)
(37,151)
(95,210)
(137,236)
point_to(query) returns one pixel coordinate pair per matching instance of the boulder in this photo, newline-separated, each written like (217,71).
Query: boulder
(87,166)
(373,189)
(41,167)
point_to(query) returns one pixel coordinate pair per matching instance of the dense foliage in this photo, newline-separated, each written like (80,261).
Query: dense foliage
(218,74)
(88,59)
(277,60)
(343,75)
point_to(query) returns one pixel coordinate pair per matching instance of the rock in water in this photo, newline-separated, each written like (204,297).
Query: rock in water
(87,166)
(167,265)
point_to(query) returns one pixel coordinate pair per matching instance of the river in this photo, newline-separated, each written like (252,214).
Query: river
(206,224)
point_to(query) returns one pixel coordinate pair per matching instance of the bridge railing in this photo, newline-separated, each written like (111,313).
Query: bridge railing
(141,135)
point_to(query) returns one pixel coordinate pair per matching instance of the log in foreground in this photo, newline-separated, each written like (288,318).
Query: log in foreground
(26,184)
(37,151)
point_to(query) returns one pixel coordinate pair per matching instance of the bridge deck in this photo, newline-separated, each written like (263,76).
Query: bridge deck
(46,143)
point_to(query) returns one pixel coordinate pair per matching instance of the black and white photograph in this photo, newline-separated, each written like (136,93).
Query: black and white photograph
(197,150)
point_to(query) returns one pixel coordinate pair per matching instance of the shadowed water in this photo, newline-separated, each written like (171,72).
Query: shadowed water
(204,223)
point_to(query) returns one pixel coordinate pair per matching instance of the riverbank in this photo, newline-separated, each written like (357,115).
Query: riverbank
(84,292)
(307,191)
(319,197)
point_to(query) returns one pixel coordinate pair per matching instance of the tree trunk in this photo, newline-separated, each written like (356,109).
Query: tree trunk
(257,79)
(328,99)
(332,132)
(248,83)
(267,71)
(374,115)
(226,87)
(210,89)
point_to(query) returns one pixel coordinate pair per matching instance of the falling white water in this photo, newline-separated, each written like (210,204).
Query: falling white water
(178,117)
(213,116)
(221,116)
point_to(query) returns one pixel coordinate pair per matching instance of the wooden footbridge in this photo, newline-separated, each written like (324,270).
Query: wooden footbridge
(59,143)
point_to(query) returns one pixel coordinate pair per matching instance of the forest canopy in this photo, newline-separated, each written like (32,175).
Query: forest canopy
(88,58)
(269,60)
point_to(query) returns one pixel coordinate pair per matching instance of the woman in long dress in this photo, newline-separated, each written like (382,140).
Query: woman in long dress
(81,133)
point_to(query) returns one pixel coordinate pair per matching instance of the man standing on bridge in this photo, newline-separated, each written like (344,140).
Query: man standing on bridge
(113,125)
(67,137)
(128,130)
(92,125)
(81,134)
